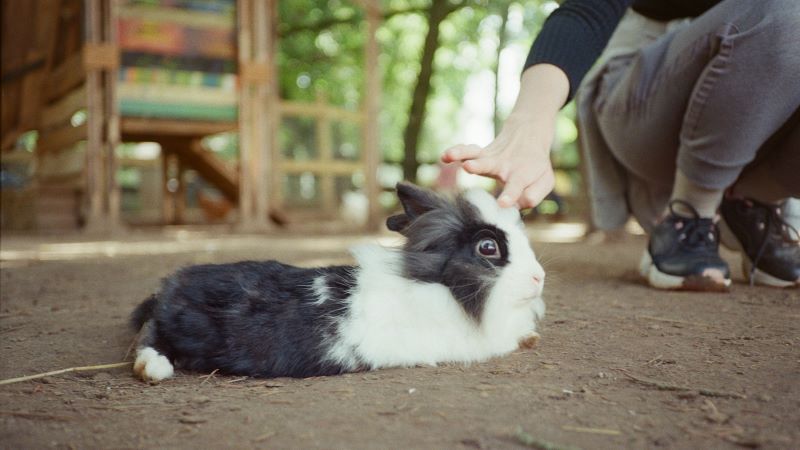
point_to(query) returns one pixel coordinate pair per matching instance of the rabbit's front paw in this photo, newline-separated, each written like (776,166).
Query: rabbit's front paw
(151,366)
(529,340)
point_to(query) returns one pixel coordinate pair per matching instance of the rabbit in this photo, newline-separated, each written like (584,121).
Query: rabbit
(465,287)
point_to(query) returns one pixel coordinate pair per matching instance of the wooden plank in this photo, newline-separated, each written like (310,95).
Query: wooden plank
(289,108)
(45,26)
(30,90)
(321,167)
(65,77)
(9,138)
(59,139)
(57,203)
(59,164)
(211,168)
(131,127)
(61,111)
(51,222)
(138,163)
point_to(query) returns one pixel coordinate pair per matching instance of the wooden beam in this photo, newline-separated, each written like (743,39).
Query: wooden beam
(318,167)
(65,77)
(192,154)
(131,127)
(46,25)
(59,139)
(10,139)
(61,111)
(289,108)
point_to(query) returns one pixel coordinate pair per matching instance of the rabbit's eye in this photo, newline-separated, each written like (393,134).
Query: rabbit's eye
(488,248)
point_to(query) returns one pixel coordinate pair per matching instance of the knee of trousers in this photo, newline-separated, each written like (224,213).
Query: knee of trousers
(773,22)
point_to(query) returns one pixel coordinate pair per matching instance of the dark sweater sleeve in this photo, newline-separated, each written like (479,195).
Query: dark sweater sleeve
(575,34)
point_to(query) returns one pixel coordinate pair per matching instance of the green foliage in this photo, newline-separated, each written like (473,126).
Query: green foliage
(315,59)
(321,51)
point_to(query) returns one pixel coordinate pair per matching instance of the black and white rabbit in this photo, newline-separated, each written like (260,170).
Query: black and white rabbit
(465,287)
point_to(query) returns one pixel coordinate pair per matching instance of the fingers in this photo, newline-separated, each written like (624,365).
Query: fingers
(523,193)
(511,192)
(533,194)
(461,153)
(483,166)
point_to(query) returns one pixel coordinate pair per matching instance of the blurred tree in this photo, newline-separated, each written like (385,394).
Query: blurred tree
(436,14)
(430,50)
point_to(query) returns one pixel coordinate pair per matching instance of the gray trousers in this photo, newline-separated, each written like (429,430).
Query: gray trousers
(715,97)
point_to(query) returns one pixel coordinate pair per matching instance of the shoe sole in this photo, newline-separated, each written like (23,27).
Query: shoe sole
(661,280)
(729,240)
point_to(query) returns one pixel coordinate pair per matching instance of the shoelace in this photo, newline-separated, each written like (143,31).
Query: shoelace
(695,231)
(773,222)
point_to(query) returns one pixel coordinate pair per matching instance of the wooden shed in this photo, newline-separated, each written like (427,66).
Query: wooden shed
(88,75)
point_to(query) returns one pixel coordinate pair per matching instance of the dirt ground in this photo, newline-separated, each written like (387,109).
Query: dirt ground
(619,365)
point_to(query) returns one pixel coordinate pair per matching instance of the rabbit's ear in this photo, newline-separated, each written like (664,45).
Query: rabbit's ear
(416,201)
(397,222)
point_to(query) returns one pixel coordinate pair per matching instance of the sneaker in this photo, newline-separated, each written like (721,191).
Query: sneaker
(770,246)
(683,253)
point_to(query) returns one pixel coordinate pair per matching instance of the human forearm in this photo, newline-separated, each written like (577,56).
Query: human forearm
(520,155)
(542,92)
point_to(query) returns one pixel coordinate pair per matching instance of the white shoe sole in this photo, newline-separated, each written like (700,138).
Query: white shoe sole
(661,280)
(760,277)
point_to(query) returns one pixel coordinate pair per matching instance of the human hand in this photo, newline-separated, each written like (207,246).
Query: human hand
(519,157)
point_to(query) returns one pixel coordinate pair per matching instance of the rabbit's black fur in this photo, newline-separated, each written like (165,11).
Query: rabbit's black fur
(248,318)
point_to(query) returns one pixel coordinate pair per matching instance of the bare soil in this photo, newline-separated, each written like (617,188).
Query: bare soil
(619,365)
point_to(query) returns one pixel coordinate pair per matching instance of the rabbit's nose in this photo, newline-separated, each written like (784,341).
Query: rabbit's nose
(537,279)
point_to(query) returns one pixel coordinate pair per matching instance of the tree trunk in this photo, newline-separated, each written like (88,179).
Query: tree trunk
(502,40)
(438,11)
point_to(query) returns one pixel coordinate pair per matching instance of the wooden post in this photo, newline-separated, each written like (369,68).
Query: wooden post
(256,135)
(112,127)
(180,193)
(324,134)
(101,59)
(167,200)
(371,151)
(95,185)
(273,174)
(244,13)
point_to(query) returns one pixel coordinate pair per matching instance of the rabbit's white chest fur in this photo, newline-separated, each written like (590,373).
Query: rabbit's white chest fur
(394,321)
